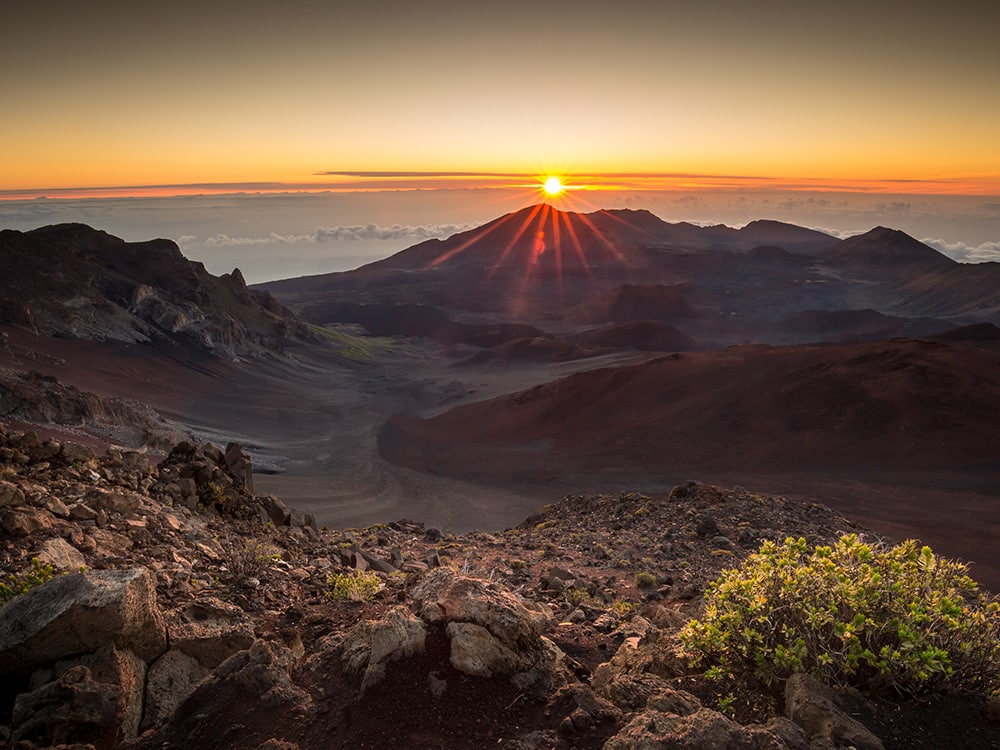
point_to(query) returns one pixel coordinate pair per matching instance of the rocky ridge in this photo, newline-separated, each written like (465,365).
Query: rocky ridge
(74,281)
(180,594)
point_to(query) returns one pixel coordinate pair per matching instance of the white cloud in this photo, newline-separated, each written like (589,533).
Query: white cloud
(393,232)
(344,233)
(960,251)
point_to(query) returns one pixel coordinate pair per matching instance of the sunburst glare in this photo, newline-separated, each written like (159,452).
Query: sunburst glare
(553,186)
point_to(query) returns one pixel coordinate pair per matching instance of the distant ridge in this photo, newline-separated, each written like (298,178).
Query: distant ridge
(539,265)
(886,252)
(74,281)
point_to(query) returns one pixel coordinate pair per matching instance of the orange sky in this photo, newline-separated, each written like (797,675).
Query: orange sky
(724,94)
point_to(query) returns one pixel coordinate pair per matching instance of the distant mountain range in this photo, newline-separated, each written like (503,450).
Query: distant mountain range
(592,280)
(560,271)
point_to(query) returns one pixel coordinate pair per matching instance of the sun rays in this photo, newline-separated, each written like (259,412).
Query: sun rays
(543,249)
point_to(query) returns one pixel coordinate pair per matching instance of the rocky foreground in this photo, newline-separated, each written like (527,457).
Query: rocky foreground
(182,609)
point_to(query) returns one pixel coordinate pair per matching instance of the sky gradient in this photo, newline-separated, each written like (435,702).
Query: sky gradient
(869,95)
(310,136)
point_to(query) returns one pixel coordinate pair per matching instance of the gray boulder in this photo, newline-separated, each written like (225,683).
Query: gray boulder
(209,630)
(170,680)
(239,466)
(371,644)
(78,614)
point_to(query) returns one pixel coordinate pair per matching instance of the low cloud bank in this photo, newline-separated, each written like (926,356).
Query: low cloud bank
(343,233)
(960,251)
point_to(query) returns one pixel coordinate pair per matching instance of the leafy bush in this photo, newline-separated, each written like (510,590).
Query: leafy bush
(357,585)
(14,584)
(852,614)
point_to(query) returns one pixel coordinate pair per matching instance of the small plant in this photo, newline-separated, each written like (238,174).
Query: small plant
(211,495)
(578,596)
(622,608)
(727,705)
(15,584)
(644,580)
(852,614)
(357,585)
(251,560)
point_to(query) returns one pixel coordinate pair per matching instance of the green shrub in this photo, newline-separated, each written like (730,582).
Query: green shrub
(644,580)
(853,615)
(357,585)
(13,584)
(623,608)
(212,494)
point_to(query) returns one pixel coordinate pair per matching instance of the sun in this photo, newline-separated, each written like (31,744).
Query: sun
(553,186)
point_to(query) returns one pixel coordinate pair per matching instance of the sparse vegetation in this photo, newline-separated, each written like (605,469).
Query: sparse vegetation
(251,560)
(357,585)
(15,584)
(881,618)
(622,608)
(359,348)
(644,580)
(211,495)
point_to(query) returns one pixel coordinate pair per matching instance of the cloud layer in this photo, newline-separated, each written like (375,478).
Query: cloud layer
(960,251)
(343,233)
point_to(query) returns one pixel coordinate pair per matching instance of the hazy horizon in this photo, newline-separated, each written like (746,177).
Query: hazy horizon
(272,235)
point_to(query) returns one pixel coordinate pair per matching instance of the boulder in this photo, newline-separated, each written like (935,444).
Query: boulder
(639,690)
(114,501)
(170,680)
(255,680)
(61,555)
(79,613)
(445,596)
(703,730)
(239,466)
(276,510)
(813,706)
(209,630)
(73,709)
(25,521)
(55,506)
(492,631)
(370,645)
(476,651)
(10,494)
(125,672)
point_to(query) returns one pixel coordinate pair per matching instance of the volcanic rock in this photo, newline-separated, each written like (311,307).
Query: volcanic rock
(79,613)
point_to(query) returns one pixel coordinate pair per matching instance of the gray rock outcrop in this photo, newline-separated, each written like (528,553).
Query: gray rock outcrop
(79,613)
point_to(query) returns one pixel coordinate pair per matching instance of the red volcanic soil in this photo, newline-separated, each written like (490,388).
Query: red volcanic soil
(901,433)
(166,376)
(890,405)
